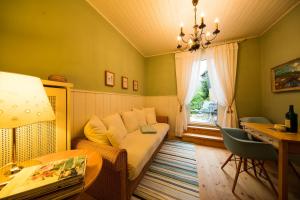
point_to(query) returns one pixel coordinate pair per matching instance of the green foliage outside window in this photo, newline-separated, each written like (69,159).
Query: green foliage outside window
(202,94)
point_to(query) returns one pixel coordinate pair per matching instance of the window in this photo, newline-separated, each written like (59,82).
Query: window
(203,108)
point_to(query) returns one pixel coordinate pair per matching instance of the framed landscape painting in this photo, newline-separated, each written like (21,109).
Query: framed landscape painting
(286,77)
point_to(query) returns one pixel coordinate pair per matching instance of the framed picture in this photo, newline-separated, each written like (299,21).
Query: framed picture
(135,85)
(286,77)
(124,82)
(109,78)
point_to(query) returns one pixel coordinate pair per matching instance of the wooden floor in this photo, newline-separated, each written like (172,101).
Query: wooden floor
(216,183)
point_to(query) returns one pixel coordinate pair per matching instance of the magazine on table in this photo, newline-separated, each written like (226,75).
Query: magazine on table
(48,177)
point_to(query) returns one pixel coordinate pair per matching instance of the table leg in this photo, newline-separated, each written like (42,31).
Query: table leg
(282,171)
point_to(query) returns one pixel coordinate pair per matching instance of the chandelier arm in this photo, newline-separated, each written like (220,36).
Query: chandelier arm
(214,37)
(201,37)
(202,31)
(203,46)
(184,41)
(183,48)
(201,34)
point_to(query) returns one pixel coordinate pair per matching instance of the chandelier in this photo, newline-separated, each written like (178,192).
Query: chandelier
(198,39)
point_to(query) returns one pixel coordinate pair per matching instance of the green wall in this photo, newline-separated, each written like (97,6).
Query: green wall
(160,75)
(279,45)
(66,37)
(248,79)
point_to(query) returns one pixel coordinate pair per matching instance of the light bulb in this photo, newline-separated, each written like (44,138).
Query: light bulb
(178,38)
(217,23)
(208,34)
(181,24)
(202,18)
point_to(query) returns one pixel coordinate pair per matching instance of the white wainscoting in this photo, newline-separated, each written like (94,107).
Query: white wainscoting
(164,105)
(87,103)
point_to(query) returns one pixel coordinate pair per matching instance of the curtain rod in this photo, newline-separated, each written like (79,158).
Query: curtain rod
(212,45)
(225,42)
(231,41)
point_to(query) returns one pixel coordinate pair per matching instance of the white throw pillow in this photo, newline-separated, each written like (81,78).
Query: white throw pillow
(114,137)
(115,123)
(95,131)
(150,115)
(130,121)
(141,117)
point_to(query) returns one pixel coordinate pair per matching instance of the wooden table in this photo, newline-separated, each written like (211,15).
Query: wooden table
(286,143)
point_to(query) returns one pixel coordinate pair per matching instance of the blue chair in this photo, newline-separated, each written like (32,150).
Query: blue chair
(261,120)
(237,142)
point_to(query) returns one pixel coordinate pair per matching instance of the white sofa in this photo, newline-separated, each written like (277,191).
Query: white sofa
(125,164)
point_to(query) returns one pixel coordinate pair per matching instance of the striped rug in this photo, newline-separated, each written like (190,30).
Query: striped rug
(172,175)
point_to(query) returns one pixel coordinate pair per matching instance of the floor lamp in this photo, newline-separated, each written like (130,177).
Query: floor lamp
(23,101)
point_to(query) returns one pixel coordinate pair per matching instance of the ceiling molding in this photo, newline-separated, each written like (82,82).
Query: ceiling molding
(116,28)
(280,18)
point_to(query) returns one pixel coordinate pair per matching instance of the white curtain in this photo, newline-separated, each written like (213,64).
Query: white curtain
(222,67)
(188,75)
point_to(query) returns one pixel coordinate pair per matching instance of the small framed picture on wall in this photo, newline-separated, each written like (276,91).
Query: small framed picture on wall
(124,82)
(135,85)
(109,78)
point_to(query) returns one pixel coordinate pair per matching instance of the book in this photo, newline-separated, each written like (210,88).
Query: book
(39,180)
(64,193)
(148,129)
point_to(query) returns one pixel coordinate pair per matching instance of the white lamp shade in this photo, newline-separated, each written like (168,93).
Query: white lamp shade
(23,101)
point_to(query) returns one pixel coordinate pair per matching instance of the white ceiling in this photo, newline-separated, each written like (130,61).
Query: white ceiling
(151,26)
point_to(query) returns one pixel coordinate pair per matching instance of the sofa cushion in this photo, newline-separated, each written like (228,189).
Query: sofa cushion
(140,148)
(114,136)
(141,117)
(116,126)
(95,131)
(130,121)
(150,115)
